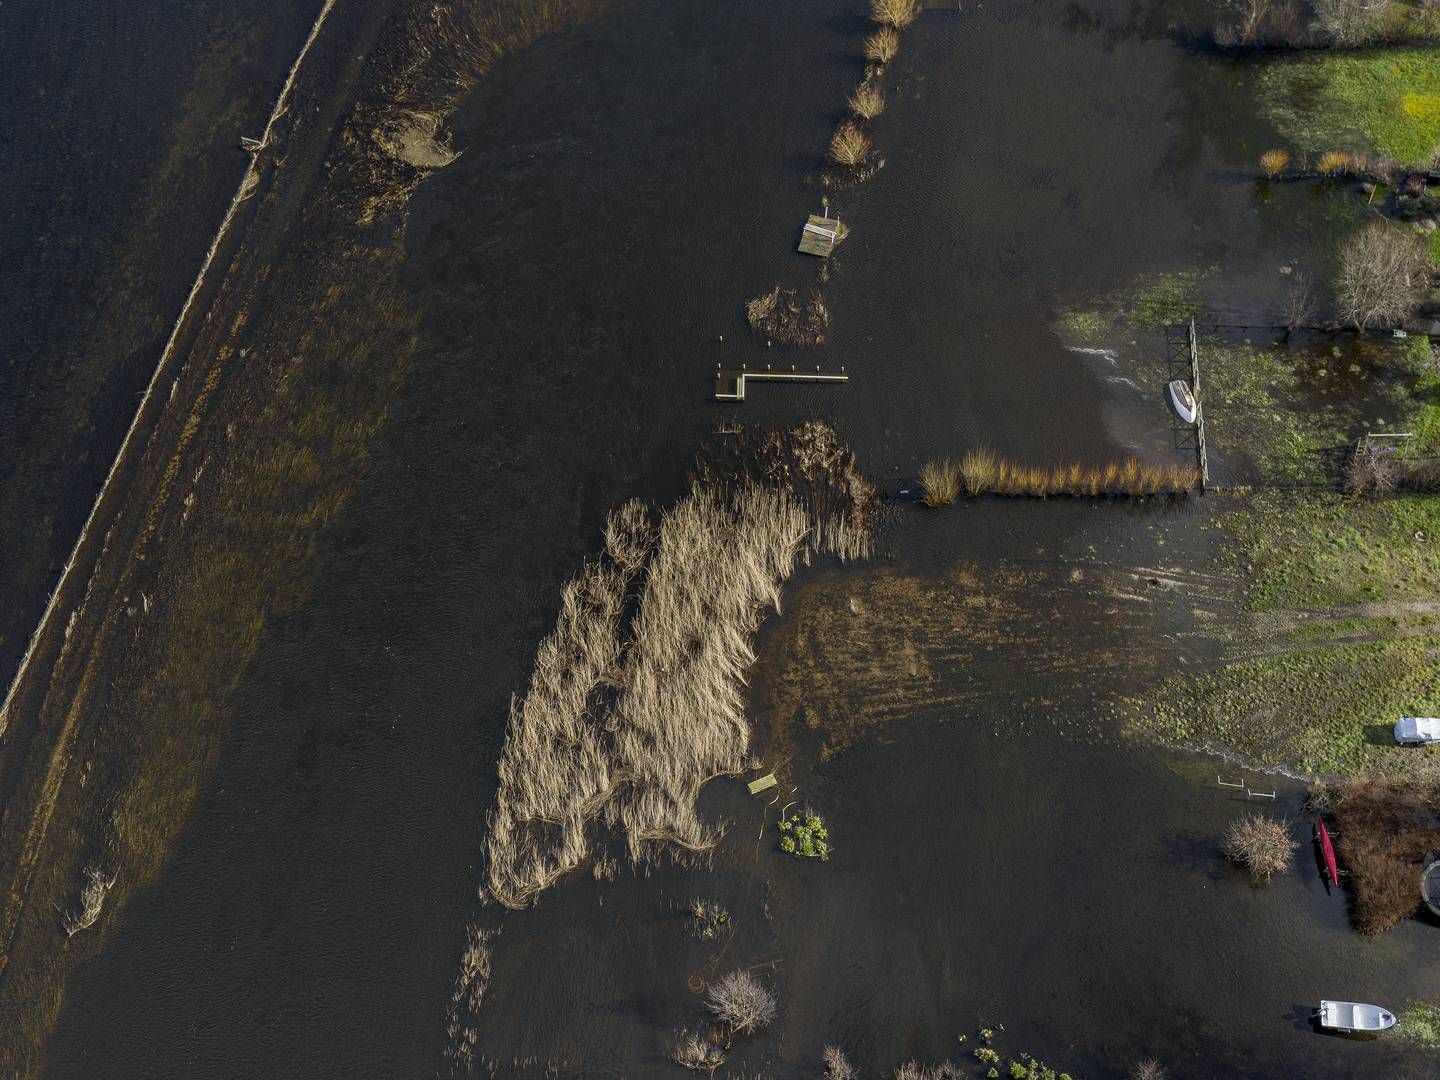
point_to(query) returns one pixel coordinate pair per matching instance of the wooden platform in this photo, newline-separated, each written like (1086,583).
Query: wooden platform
(730,385)
(821,235)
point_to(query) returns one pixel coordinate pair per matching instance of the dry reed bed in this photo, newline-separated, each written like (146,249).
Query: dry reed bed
(625,721)
(1384,828)
(781,315)
(983,472)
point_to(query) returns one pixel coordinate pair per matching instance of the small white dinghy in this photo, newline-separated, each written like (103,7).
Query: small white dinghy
(1417,730)
(1181,400)
(1351,1016)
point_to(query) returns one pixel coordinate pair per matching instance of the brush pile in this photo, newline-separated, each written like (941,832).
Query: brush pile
(1385,826)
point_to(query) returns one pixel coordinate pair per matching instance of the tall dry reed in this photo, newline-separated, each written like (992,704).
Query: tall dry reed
(867,101)
(978,468)
(984,472)
(940,482)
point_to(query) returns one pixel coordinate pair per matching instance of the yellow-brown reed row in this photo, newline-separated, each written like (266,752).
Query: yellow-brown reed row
(940,482)
(868,100)
(983,472)
(850,145)
(627,727)
(882,46)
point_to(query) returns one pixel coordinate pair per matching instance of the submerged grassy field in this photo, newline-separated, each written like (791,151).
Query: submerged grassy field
(1383,101)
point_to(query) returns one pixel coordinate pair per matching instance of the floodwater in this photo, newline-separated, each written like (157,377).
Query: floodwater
(623,188)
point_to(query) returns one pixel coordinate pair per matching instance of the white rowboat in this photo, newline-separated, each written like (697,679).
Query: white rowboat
(1182,401)
(1417,731)
(1351,1016)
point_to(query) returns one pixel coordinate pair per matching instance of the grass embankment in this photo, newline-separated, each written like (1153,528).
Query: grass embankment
(626,719)
(1384,101)
(264,438)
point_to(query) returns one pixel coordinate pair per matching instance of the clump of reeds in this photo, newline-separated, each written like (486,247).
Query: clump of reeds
(940,482)
(882,46)
(867,101)
(92,897)
(837,1065)
(850,145)
(697,1052)
(984,472)
(894,13)
(1274,162)
(470,986)
(782,316)
(1260,844)
(979,468)
(1334,163)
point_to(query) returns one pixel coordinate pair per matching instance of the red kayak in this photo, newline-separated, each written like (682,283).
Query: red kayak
(1327,849)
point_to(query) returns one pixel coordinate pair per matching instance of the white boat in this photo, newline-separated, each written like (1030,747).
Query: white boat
(1182,401)
(1352,1017)
(1417,730)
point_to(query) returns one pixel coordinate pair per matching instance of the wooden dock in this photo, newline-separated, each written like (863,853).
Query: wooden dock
(730,385)
(821,235)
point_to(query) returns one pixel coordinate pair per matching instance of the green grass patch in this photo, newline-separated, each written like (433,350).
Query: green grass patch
(1321,549)
(1420,1025)
(1329,708)
(1381,100)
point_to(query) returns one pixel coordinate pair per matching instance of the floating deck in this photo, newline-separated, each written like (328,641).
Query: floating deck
(730,385)
(821,235)
(765,783)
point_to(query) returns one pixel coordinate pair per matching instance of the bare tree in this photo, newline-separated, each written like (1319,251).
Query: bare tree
(1381,272)
(742,1002)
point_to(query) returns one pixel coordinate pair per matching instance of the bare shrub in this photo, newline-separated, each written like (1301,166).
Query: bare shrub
(883,45)
(741,1002)
(1259,22)
(1381,273)
(1260,844)
(837,1066)
(867,101)
(92,897)
(696,1052)
(1300,301)
(1370,474)
(940,482)
(850,145)
(1274,162)
(896,13)
(978,468)
(1348,22)
(1149,1069)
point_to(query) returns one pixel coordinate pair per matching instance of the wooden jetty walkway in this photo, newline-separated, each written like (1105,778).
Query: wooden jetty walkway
(730,384)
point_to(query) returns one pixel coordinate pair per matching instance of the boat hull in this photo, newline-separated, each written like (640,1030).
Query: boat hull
(1181,401)
(1354,1018)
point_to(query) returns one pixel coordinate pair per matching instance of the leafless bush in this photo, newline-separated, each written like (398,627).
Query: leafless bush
(850,145)
(1369,473)
(92,897)
(882,45)
(741,1002)
(1381,273)
(1149,1069)
(1259,22)
(1348,22)
(868,100)
(1260,844)
(940,482)
(896,13)
(1300,301)
(696,1052)
(837,1066)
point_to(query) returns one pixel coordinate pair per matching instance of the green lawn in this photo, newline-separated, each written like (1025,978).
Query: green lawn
(1382,100)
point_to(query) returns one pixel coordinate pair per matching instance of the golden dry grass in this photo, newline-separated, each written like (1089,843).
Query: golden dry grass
(867,101)
(677,719)
(1334,162)
(1274,162)
(883,45)
(940,482)
(850,145)
(978,468)
(894,13)
(984,472)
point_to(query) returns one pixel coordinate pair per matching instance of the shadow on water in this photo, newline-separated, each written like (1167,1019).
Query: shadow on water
(623,188)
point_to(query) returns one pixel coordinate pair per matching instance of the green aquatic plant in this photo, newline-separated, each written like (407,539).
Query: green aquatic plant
(986,1056)
(804,836)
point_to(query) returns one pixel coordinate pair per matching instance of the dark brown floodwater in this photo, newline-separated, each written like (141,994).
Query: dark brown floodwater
(623,188)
